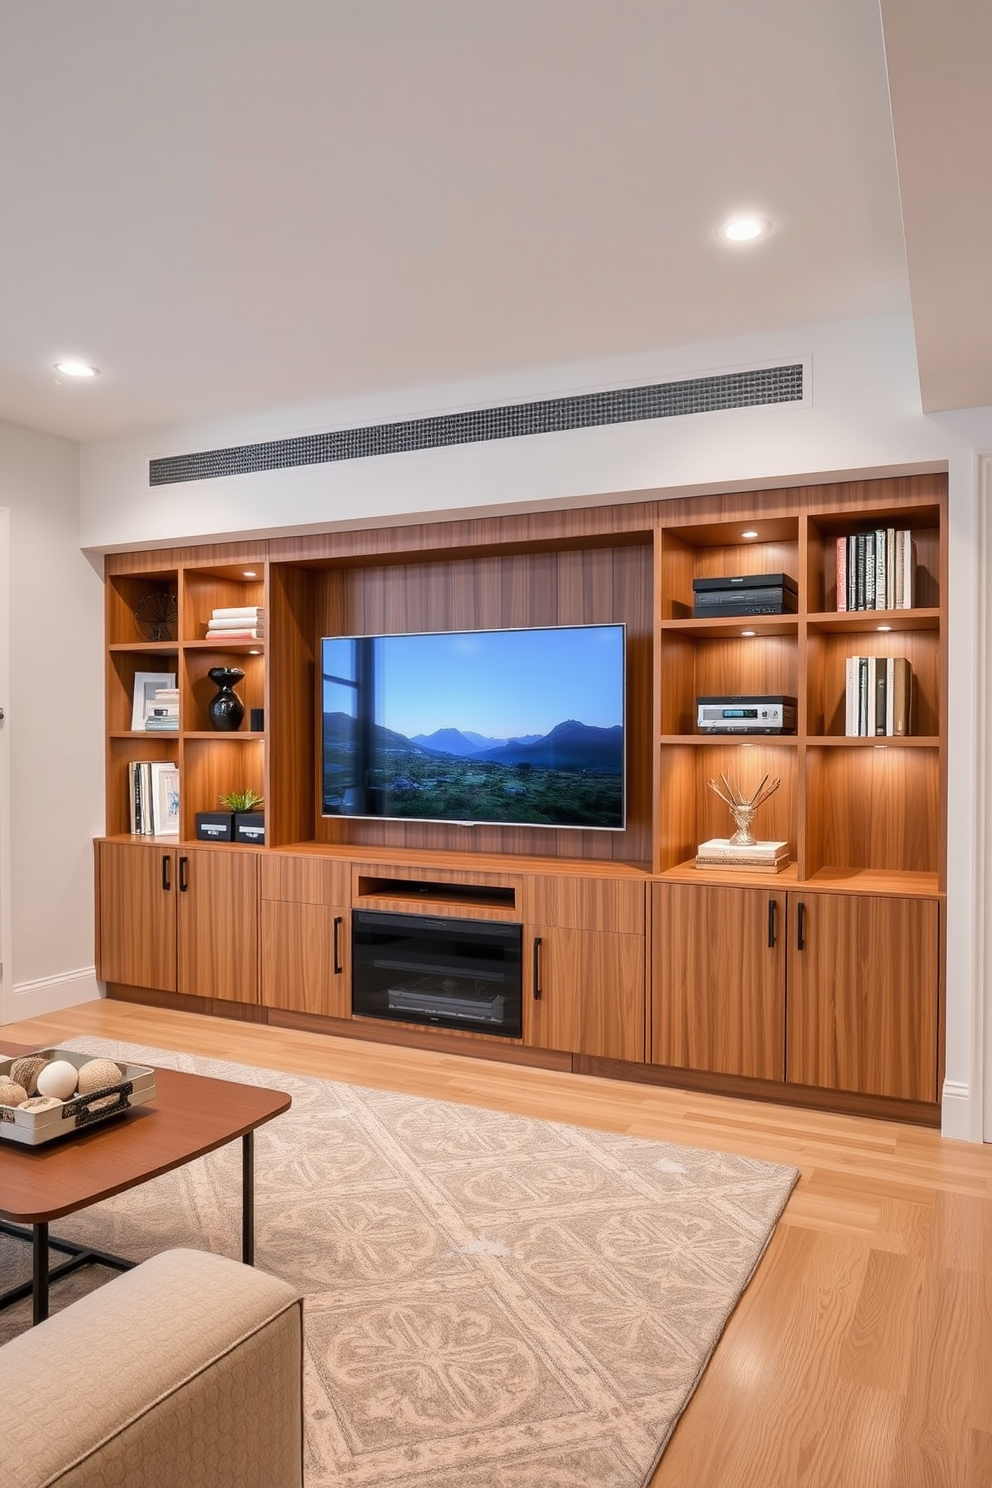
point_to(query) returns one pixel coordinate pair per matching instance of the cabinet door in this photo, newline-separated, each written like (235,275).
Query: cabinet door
(862,994)
(306,957)
(218,924)
(137,890)
(718,979)
(584,992)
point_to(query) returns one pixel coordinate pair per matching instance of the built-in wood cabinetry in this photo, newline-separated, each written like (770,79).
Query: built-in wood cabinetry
(632,956)
(182,920)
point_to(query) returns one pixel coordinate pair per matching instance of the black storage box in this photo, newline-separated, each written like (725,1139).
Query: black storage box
(249,826)
(215,826)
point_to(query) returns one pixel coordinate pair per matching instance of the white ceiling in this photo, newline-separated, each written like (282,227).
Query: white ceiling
(239,204)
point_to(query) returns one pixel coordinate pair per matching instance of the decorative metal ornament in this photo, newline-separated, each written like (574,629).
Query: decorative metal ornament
(742,808)
(157,616)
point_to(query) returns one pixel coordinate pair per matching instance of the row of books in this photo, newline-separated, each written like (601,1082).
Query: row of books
(163,715)
(878,697)
(237,623)
(153,787)
(875,570)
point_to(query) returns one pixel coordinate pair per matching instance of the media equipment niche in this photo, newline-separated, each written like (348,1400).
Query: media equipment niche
(820,985)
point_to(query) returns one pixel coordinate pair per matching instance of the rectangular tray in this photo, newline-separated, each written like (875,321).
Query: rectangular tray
(137,1084)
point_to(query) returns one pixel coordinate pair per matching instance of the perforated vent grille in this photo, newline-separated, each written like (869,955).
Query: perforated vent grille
(553,415)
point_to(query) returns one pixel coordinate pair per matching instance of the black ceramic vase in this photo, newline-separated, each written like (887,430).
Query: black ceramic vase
(226,710)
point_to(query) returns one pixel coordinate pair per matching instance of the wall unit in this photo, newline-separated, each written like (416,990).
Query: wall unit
(653,968)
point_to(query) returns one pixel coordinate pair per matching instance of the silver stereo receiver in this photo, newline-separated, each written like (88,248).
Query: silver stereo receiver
(746,715)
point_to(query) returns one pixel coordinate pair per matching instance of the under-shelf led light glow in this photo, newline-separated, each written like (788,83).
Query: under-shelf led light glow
(249,573)
(748,632)
(885,627)
(749,534)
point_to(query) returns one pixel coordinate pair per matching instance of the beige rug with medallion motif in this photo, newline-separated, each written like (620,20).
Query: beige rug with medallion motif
(492,1301)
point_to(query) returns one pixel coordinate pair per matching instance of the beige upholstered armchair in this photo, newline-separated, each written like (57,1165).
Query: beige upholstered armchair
(183,1372)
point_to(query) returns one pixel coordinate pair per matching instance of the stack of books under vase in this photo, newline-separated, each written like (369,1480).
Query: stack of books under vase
(237,623)
(763,857)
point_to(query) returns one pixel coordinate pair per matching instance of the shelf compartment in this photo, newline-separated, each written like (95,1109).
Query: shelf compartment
(826,655)
(857,622)
(707,665)
(691,813)
(872,808)
(223,586)
(123,664)
(121,750)
(824,528)
(717,550)
(760,625)
(214,765)
(198,691)
(125,592)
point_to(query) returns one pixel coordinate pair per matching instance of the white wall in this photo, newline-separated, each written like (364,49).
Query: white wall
(862,416)
(53,728)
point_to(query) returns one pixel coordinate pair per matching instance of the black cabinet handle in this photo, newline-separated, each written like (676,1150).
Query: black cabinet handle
(537,968)
(800,926)
(166,876)
(183,875)
(338,968)
(772,907)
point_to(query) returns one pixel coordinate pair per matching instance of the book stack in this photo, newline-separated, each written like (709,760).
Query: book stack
(720,852)
(153,787)
(164,714)
(875,570)
(237,623)
(878,697)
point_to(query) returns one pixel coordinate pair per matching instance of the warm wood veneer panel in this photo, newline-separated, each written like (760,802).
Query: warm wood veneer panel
(305,879)
(585,904)
(862,1011)
(592,992)
(137,914)
(218,924)
(299,968)
(718,999)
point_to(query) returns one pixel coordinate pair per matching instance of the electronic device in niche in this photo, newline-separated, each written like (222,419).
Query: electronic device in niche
(744,594)
(746,715)
(449,972)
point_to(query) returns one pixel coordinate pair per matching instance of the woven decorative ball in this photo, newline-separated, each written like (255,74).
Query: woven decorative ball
(97,1074)
(58,1079)
(26,1071)
(12,1095)
(40,1103)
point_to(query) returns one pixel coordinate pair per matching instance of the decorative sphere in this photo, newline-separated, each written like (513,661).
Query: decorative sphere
(26,1071)
(97,1074)
(12,1095)
(59,1079)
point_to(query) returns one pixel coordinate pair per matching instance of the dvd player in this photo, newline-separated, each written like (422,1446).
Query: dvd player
(747,715)
(745,594)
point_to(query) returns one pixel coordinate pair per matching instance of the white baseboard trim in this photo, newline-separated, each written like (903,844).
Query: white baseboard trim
(955,1111)
(51,994)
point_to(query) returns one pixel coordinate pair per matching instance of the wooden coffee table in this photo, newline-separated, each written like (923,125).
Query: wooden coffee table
(189,1116)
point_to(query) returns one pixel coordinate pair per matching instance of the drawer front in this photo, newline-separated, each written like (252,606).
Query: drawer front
(575,903)
(306,879)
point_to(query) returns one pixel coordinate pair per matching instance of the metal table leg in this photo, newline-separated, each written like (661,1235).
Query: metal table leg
(248,1198)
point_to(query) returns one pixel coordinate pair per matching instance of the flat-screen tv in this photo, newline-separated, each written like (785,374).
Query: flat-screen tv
(497,727)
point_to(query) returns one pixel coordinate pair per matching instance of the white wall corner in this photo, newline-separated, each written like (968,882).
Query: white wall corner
(52,994)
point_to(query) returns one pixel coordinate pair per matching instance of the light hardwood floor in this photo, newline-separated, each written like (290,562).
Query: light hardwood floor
(861,1354)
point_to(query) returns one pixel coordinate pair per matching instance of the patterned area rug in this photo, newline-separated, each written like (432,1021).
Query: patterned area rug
(492,1301)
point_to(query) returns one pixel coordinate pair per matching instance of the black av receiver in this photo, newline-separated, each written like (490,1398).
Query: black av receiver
(744,594)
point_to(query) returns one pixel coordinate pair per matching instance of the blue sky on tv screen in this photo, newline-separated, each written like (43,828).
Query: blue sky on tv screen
(500,683)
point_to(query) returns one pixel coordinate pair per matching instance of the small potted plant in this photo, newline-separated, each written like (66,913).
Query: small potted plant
(249,821)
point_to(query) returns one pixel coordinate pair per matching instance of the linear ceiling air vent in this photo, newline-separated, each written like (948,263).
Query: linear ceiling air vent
(551,416)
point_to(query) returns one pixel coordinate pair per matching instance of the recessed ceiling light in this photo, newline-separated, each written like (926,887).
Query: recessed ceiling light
(749,534)
(743,229)
(76,369)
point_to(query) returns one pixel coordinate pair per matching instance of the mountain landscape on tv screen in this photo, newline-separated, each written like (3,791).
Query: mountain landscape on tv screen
(571,776)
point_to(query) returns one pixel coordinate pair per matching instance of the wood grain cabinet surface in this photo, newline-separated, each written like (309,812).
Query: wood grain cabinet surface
(863,994)
(584,992)
(305,924)
(718,999)
(179,920)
